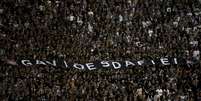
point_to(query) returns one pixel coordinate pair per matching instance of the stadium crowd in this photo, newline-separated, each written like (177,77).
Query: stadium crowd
(90,30)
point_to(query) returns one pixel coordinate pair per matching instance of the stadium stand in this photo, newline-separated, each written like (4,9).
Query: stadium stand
(91,30)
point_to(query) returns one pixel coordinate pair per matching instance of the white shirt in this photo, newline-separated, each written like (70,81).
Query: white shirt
(91,13)
(150,32)
(196,54)
(160,92)
(120,18)
(71,18)
(175,23)
(90,28)
(79,21)
(139,91)
(194,43)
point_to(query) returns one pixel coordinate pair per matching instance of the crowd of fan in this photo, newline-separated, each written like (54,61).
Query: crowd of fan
(136,84)
(89,30)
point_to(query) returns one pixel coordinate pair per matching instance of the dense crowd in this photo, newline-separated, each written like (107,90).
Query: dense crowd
(90,30)
(136,84)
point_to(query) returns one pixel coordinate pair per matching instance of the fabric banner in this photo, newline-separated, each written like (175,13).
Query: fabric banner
(164,61)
